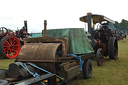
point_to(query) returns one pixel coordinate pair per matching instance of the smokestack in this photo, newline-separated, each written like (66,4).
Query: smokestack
(25,24)
(90,28)
(89,20)
(45,25)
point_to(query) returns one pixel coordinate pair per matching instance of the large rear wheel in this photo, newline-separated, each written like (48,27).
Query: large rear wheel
(113,48)
(9,47)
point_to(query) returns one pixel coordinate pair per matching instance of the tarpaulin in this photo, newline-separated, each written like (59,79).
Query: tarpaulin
(78,42)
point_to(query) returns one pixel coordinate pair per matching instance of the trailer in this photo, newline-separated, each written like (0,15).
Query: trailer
(103,39)
(64,53)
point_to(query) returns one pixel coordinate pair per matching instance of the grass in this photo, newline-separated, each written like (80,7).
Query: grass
(111,73)
(4,63)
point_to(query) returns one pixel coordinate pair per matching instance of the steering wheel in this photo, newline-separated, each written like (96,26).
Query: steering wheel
(3,30)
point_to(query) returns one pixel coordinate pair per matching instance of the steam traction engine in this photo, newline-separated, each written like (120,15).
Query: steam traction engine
(103,40)
(9,44)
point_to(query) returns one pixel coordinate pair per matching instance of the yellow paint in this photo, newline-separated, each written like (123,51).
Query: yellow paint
(91,23)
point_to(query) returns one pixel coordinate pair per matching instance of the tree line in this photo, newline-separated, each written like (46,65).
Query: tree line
(123,25)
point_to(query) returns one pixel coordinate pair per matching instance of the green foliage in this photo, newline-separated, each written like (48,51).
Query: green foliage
(123,25)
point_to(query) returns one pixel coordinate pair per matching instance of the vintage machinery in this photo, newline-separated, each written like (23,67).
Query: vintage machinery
(22,33)
(103,39)
(64,52)
(9,44)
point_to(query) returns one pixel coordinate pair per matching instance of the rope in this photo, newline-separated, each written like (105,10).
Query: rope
(36,74)
(26,68)
(45,70)
(33,74)
(77,57)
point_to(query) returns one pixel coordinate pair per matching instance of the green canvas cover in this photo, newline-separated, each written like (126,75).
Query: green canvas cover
(36,35)
(78,42)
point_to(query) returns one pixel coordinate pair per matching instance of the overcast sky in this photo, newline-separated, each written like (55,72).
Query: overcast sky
(58,13)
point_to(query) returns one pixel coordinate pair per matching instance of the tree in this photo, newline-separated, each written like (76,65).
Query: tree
(123,25)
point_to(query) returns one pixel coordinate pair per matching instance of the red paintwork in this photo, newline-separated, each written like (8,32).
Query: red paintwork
(11,47)
(11,44)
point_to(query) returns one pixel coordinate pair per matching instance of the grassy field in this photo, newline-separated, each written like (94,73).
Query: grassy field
(5,62)
(111,73)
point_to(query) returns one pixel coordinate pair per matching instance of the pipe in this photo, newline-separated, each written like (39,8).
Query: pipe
(25,24)
(89,20)
(90,28)
(45,25)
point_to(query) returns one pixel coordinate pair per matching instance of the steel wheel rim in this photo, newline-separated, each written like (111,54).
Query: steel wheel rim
(115,50)
(101,58)
(11,47)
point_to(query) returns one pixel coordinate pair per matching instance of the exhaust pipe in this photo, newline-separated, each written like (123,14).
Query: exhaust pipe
(45,31)
(90,23)
(91,28)
(25,25)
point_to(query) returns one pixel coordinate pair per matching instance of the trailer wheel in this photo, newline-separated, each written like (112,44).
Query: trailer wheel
(87,69)
(99,57)
(9,47)
(113,48)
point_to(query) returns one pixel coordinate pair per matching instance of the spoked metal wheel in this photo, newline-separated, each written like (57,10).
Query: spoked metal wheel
(99,57)
(9,47)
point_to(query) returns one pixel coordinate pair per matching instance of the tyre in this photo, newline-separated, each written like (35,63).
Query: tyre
(9,47)
(108,46)
(87,69)
(113,48)
(99,57)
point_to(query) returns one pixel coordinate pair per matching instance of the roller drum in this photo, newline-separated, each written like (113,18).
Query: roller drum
(38,51)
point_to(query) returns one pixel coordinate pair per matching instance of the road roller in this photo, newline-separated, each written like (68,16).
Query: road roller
(53,59)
